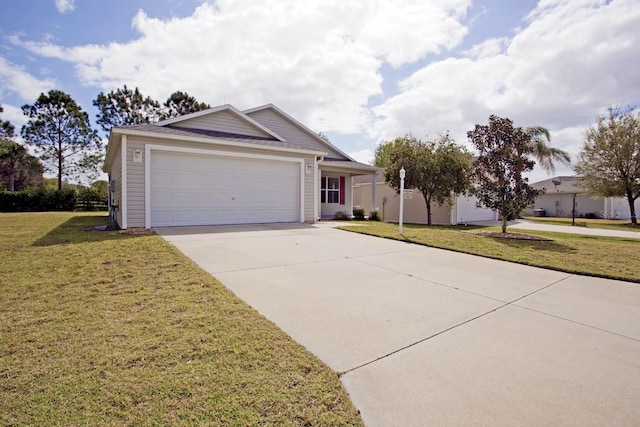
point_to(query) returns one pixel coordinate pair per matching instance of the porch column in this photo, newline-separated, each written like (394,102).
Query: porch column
(373,192)
(317,192)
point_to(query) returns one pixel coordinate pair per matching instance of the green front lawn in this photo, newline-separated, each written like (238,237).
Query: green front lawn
(104,328)
(608,224)
(609,257)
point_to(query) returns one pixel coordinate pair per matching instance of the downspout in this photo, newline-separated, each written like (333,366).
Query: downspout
(316,187)
(350,212)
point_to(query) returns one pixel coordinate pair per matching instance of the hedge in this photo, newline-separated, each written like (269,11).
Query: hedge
(37,200)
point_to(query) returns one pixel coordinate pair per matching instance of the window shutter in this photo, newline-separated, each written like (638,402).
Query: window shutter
(342,190)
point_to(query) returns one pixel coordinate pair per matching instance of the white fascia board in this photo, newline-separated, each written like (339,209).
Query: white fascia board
(300,125)
(213,110)
(154,135)
(112,151)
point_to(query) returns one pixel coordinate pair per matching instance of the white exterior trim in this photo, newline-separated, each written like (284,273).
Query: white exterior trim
(219,153)
(157,135)
(123,177)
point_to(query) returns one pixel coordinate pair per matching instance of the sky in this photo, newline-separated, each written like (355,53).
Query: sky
(360,71)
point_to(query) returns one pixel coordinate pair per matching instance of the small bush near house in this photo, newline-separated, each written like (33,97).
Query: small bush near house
(358,213)
(341,215)
(374,216)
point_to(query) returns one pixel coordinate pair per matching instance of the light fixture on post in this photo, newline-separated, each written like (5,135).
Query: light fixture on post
(402,175)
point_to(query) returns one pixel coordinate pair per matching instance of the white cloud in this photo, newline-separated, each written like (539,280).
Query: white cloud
(319,60)
(363,156)
(568,62)
(14,115)
(15,79)
(65,6)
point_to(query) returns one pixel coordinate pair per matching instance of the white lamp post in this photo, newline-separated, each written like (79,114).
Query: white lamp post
(402,175)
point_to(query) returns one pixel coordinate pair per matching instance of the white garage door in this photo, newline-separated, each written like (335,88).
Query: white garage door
(468,211)
(190,189)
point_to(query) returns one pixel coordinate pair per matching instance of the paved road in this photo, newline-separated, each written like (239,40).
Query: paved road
(423,336)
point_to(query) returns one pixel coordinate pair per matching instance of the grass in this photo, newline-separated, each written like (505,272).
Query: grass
(104,328)
(609,257)
(607,224)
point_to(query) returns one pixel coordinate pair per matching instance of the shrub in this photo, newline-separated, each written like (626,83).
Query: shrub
(374,216)
(358,213)
(341,215)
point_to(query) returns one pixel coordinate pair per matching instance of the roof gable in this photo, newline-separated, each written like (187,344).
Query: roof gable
(293,131)
(225,119)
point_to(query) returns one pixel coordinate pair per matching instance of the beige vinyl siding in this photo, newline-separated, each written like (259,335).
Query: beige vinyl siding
(136,173)
(415,208)
(223,121)
(561,205)
(135,187)
(292,133)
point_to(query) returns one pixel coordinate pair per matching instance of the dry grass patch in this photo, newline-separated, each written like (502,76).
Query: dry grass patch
(608,257)
(106,328)
(511,235)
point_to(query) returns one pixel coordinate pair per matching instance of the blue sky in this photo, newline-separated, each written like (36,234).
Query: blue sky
(359,71)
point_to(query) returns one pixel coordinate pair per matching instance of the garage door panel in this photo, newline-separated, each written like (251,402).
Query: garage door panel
(191,189)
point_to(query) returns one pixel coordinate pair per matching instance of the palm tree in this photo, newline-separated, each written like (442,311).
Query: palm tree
(542,152)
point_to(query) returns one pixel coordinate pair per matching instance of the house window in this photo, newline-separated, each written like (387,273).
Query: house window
(332,190)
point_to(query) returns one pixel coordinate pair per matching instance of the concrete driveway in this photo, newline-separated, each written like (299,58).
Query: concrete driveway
(423,336)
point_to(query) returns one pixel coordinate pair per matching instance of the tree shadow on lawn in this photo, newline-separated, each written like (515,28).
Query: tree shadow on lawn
(538,245)
(82,229)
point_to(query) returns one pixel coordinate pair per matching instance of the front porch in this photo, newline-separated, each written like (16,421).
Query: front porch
(335,189)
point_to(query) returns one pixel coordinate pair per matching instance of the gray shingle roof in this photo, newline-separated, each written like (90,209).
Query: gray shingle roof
(559,184)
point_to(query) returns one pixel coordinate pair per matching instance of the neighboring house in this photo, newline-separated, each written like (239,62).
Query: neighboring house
(462,210)
(558,201)
(225,166)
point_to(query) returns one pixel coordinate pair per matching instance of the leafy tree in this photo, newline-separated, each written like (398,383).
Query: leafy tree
(383,151)
(181,103)
(542,152)
(497,173)
(52,184)
(94,196)
(609,163)
(125,107)
(62,134)
(18,168)
(438,169)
